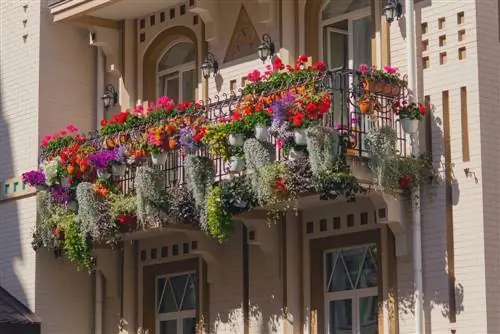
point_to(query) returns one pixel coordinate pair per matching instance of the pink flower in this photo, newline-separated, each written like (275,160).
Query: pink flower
(390,69)
(280,143)
(364,69)
(165,102)
(71,128)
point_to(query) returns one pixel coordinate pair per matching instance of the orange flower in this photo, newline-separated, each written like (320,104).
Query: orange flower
(70,169)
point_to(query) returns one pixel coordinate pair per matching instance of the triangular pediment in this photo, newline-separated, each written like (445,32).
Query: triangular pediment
(244,40)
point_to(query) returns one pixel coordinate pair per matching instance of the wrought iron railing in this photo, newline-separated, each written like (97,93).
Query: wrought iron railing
(345,116)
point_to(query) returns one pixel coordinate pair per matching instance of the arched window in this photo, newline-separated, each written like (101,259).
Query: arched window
(176,72)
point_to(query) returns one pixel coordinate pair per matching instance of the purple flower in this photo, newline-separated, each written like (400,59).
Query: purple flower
(280,109)
(186,140)
(60,195)
(34,178)
(101,160)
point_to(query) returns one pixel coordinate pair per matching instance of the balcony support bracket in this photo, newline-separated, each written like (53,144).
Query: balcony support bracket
(209,14)
(109,41)
(266,11)
(390,210)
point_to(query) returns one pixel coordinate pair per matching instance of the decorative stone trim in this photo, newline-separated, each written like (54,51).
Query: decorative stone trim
(14,188)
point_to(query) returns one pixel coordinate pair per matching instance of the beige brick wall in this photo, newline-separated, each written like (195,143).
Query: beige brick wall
(467,196)
(488,41)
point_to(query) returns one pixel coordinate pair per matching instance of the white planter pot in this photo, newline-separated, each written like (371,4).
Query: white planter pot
(103,174)
(159,158)
(236,139)
(410,126)
(296,154)
(118,170)
(299,136)
(236,164)
(65,181)
(261,132)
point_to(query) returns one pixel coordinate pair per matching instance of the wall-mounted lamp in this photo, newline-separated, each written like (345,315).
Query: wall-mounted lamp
(209,66)
(393,10)
(266,48)
(110,97)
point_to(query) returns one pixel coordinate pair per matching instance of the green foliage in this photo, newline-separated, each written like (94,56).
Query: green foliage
(323,147)
(199,177)
(93,214)
(216,140)
(77,244)
(120,204)
(219,221)
(151,196)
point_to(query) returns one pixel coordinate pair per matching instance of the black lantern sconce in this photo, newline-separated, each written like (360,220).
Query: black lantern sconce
(110,97)
(209,66)
(266,48)
(393,10)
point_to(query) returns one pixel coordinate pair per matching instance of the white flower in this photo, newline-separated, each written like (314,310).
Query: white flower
(50,170)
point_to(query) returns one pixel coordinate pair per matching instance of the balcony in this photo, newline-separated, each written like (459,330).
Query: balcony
(297,137)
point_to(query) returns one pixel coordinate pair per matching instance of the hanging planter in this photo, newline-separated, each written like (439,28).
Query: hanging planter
(296,154)
(410,126)
(299,136)
(103,174)
(366,105)
(236,139)
(172,143)
(159,158)
(236,164)
(261,132)
(118,170)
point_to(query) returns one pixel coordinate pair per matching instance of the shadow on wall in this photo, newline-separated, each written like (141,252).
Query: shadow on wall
(11,253)
(436,289)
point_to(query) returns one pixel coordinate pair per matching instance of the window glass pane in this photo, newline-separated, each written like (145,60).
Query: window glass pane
(336,8)
(340,321)
(179,54)
(189,302)
(168,327)
(368,275)
(188,86)
(167,303)
(368,315)
(179,285)
(340,278)
(353,259)
(170,87)
(362,30)
(337,53)
(189,326)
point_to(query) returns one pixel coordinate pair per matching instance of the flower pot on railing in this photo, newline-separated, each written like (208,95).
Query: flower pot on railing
(236,139)
(299,136)
(103,174)
(366,105)
(158,159)
(172,143)
(296,154)
(410,126)
(261,132)
(118,170)
(236,164)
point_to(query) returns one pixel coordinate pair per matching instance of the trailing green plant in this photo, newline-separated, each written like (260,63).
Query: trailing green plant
(182,208)
(93,214)
(323,147)
(77,244)
(257,155)
(380,143)
(121,204)
(219,221)
(151,198)
(238,195)
(199,177)
(215,140)
(43,234)
(272,191)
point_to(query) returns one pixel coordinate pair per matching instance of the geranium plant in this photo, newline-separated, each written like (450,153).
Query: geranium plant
(157,140)
(409,110)
(308,110)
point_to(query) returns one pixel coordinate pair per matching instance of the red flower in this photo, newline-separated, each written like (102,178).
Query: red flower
(405,182)
(280,185)
(319,66)
(422,109)
(236,116)
(247,111)
(104,122)
(303,59)
(278,64)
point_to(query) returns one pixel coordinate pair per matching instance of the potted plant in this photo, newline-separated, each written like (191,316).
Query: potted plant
(307,111)
(409,114)
(236,160)
(191,136)
(118,166)
(35,179)
(258,118)
(157,145)
(367,103)
(384,81)
(101,160)
(122,210)
(237,129)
